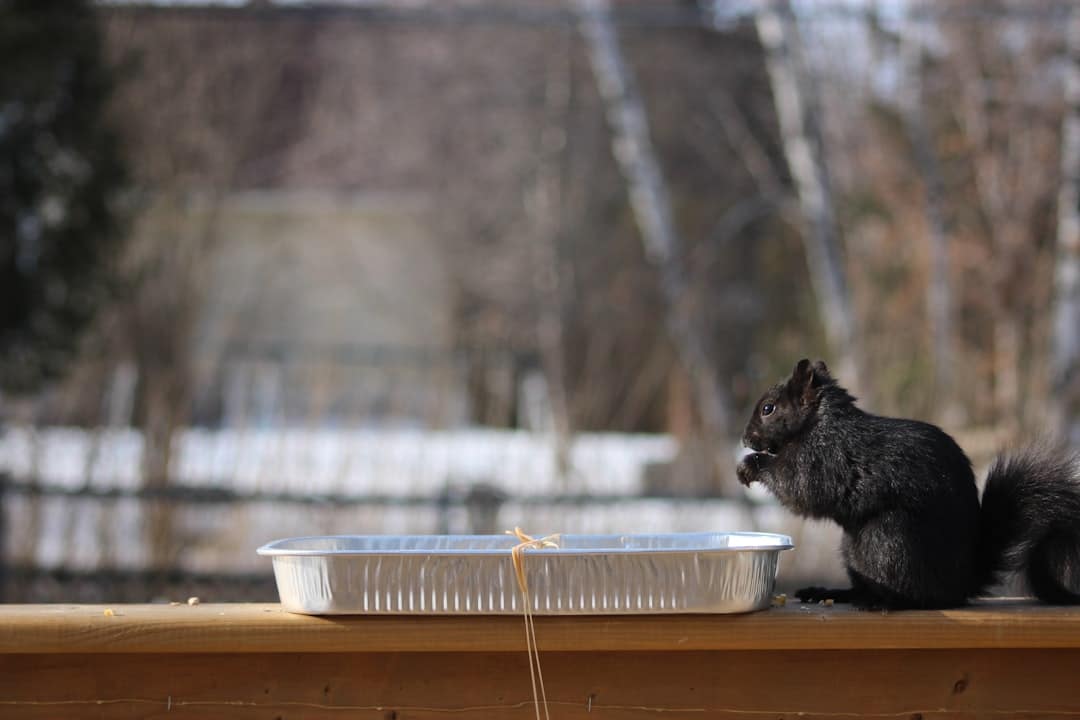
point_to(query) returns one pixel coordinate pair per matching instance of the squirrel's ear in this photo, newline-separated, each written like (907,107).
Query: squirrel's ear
(806,379)
(816,376)
(801,378)
(801,371)
(821,373)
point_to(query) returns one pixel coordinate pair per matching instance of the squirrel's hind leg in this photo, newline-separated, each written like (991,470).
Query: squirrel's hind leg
(817,594)
(858,595)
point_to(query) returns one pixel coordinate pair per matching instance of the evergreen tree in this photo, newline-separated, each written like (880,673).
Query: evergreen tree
(60,175)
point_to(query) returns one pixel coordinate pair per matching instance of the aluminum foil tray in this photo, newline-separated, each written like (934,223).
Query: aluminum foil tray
(474,574)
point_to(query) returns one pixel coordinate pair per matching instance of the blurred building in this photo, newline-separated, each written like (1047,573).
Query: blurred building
(363,181)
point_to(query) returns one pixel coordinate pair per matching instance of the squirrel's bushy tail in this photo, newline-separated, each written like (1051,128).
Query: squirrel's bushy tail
(1030,522)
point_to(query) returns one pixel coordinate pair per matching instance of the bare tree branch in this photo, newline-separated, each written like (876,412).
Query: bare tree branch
(651,205)
(802,142)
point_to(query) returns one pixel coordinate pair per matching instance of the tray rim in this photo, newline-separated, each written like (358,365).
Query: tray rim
(271,549)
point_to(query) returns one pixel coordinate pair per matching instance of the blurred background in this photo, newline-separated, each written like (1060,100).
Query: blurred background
(437,266)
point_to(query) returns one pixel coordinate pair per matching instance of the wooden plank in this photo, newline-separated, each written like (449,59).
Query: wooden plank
(411,686)
(262,628)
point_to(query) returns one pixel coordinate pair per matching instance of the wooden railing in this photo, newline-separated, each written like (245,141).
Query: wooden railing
(256,661)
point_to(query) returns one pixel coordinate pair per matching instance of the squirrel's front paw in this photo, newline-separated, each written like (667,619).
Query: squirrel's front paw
(744,472)
(749,467)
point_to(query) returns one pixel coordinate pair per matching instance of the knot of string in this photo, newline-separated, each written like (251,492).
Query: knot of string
(517,554)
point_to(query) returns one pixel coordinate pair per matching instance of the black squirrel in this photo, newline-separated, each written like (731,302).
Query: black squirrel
(915,534)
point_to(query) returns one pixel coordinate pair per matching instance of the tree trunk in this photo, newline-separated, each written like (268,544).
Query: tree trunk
(939,305)
(993,165)
(547,210)
(159,427)
(172,276)
(652,209)
(1065,353)
(803,148)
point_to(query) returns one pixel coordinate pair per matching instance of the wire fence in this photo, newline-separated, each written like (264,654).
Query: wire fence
(80,544)
(647,15)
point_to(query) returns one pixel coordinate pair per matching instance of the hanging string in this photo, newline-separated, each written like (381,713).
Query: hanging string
(517,554)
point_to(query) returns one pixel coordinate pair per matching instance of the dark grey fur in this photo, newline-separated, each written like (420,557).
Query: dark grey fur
(915,535)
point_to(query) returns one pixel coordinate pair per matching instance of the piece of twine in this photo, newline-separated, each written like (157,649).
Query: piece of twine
(517,554)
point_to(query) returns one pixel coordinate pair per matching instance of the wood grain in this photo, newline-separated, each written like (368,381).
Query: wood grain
(908,684)
(265,628)
(256,661)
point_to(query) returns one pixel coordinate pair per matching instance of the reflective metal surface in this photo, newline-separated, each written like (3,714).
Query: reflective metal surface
(474,574)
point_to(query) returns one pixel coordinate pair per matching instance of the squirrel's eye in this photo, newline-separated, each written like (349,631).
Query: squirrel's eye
(767,409)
